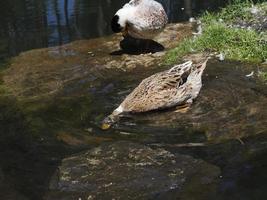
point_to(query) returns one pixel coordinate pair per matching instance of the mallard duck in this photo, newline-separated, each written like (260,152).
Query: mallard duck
(142,19)
(179,85)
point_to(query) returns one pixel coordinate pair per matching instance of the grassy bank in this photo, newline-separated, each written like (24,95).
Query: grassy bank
(263,76)
(235,31)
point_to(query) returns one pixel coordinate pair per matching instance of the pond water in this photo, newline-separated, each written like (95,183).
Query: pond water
(28,24)
(61,94)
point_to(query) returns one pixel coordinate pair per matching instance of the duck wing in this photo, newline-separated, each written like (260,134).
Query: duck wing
(161,90)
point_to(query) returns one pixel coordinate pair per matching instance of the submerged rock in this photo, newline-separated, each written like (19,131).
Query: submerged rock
(125,170)
(45,72)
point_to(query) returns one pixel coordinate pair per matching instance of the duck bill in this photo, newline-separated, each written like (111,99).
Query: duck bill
(110,120)
(105,126)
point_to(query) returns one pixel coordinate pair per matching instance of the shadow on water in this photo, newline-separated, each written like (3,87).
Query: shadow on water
(133,46)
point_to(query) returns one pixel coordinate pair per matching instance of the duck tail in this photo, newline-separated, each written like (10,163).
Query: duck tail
(181,68)
(197,71)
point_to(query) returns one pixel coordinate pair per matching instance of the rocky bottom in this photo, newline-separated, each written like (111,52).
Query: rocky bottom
(126,170)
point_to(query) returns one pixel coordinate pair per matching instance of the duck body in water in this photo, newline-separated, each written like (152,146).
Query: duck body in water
(179,85)
(141,19)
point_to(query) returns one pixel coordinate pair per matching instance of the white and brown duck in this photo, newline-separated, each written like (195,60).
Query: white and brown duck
(141,19)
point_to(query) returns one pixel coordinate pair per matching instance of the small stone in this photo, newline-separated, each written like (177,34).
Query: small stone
(90,130)
(90,197)
(192,19)
(221,57)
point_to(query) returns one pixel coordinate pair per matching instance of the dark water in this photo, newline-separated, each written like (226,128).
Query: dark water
(30,154)
(28,24)
(28,150)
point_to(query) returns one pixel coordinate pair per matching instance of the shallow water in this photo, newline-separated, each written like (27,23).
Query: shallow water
(60,96)
(229,109)
(228,118)
(40,23)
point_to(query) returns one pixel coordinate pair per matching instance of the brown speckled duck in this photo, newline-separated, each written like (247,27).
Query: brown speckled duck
(179,85)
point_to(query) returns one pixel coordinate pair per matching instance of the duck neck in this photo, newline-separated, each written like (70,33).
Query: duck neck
(117,111)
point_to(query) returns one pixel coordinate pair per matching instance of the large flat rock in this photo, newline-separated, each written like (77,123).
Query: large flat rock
(125,170)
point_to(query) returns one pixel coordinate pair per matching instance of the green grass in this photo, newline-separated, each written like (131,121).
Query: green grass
(263,76)
(234,43)
(235,11)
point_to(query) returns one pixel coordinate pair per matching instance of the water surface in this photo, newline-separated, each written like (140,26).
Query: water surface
(36,133)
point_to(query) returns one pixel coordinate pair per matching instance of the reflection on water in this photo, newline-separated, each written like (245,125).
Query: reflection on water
(28,24)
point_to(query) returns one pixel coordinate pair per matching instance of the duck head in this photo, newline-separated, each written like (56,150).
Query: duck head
(115,24)
(112,118)
(109,121)
(119,21)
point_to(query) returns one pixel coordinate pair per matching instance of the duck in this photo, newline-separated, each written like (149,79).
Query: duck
(140,19)
(177,86)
